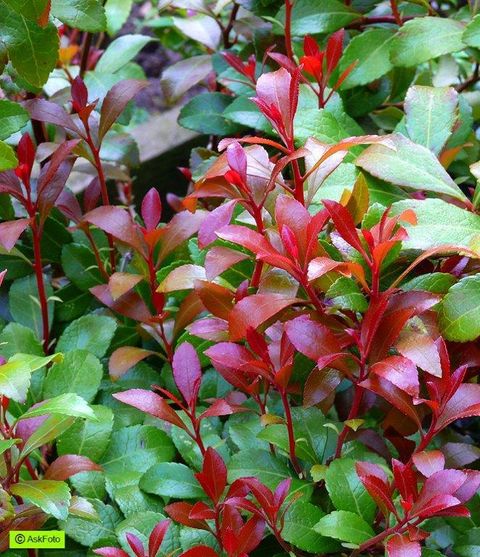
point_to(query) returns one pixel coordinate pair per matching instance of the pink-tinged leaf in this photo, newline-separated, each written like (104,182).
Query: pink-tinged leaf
(212,328)
(393,395)
(254,311)
(156,537)
(401,372)
(273,89)
(213,477)
(311,338)
(365,469)
(405,480)
(200,551)
(345,225)
(465,403)
(380,493)
(46,111)
(187,372)
(121,283)
(322,265)
(320,384)
(219,259)
(429,462)
(124,358)
(79,94)
(334,49)
(110,552)
(151,403)
(401,546)
(68,204)
(115,102)
(135,544)
(119,223)
(54,188)
(237,160)
(420,349)
(182,278)
(130,305)
(68,465)
(92,195)
(2,276)
(459,455)
(227,358)
(180,228)
(444,482)
(151,209)
(222,407)
(291,213)
(215,220)
(9,183)
(49,170)
(440,504)
(470,487)
(11,231)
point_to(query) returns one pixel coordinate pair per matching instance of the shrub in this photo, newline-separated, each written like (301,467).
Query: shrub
(289,365)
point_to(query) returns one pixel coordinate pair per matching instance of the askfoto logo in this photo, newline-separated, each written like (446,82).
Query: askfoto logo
(37,539)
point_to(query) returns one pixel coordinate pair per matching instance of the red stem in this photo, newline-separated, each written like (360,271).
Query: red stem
(291,434)
(288,28)
(42,295)
(396,13)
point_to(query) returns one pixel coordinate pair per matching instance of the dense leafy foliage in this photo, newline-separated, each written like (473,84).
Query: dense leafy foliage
(289,365)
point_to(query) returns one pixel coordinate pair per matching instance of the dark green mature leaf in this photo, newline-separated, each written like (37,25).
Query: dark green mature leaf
(16,338)
(345,526)
(80,372)
(171,479)
(438,283)
(468,545)
(51,496)
(125,491)
(409,165)
(371,52)
(318,16)
(204,114)
(89,533)
(244,112)
(324,125)
(471,35)
(87,15)
(80,266)
(88,437)
(345,293)
(50,429)
(347,491)
(300,519)
(91,332)
(424,38)
(459,311)
(8,159)
(12,118)
(456,226)
(430,115)
(32,49)
(31,9)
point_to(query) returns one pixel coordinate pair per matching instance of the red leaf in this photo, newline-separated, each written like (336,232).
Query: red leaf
(405,480)
(11,231)
(291,213)
(9,183)
(251,534)
(470,487)
(151,209)
(180,512)
(334,50)
(115,102)
(440,484)
(156,537)
(180,228)
(135,544)
(222,407)
(219,259)
(200,551)
(399,371)
(26,153)
(130,304)
(110,552)
(227,358)
(213,329)
(401,546)
(345,225)
(463,404)
(429,462)
(151,403)
(79,94)
(68,465)
(213,477)
(421,349)
(215,220)
(254,311)
(187,372)
(320,384)
(322,265)
(46,111)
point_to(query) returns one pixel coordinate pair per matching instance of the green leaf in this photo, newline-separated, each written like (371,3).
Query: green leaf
(80,372)
(6,444)
(68,404)
(424,38)
(91,332)
(31,9)
(141,525)
(346,294)
(318,16)
(8,159)
(87,15)
(345,526)
(267,468)
(117,12)
(325,125)
(120,52)
(50,496)
(32,49)
(50,429)
(409,165)
(89,533)
(171,479)
(15,375)
(459,311)
(13,118)
(244,112)
(431,113)
(136,448)
(347,491)
(471,35)
(204,114)
(88,437)
(371,52)
(300,519)
(438,283)
(456,226)
(125,491)
(468,545)
(80,266)
(25,306)
(16,338)
(178,78)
